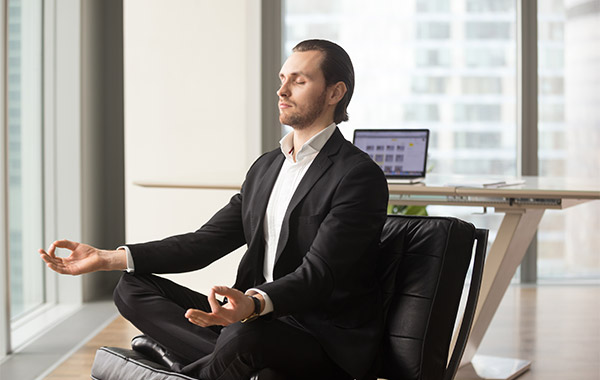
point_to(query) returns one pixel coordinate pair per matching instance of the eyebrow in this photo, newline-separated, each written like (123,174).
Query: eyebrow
(296,73)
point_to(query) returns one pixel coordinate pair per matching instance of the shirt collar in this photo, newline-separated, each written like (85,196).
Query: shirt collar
(313,145)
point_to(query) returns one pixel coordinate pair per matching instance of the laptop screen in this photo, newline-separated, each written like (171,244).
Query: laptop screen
(401,153)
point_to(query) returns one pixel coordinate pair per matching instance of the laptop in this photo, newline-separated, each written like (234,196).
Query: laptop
(401,153)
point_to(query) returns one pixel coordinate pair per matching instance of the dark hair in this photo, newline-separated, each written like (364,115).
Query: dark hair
(336,67)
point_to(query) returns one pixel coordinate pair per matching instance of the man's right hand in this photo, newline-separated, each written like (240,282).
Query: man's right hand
(83,258)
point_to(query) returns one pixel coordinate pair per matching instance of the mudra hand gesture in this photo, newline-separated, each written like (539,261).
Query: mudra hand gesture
(83,258)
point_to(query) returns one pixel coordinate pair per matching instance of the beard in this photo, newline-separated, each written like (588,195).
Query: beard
(302,119)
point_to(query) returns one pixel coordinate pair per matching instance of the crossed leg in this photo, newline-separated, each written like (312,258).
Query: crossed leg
(156,306)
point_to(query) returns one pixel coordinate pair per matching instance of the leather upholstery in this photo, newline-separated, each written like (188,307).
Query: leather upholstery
(425,260)
(112,363)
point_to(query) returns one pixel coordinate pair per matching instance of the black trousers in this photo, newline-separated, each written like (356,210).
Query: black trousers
(156,306)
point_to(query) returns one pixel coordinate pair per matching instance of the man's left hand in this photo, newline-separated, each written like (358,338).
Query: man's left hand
(238,307)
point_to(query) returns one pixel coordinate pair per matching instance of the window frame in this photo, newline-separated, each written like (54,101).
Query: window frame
(4,280)
(61,121)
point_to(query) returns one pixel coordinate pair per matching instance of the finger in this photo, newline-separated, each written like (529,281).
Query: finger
(47,258)
(44,256)
(200,318)
(195,313)
(51,250)
(224,290)
(57,264)
(56,267)
(234,296)
(68,244)
(215,306)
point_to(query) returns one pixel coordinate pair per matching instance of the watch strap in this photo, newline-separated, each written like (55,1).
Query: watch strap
(256,313)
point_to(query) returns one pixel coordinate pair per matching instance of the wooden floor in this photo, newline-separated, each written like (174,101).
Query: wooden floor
(78,366)
(557,327)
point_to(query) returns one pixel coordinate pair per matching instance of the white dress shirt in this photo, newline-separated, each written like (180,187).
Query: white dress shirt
(290,175)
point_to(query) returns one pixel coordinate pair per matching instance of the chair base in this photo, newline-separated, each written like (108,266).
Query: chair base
(493,368)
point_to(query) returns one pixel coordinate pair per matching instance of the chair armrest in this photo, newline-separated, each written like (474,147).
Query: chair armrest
(481,238)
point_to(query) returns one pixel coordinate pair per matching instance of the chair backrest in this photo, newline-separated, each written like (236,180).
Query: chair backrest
(424,262)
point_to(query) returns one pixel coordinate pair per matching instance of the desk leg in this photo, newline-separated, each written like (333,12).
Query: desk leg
(514,235)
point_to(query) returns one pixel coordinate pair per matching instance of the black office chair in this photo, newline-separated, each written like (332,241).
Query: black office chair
(423,265)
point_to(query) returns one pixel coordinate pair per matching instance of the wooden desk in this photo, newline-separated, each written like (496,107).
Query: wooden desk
(523,207)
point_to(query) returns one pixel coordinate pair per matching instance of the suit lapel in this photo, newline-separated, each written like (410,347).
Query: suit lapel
(262,197)
(315,171)
(266,184)
(256,248)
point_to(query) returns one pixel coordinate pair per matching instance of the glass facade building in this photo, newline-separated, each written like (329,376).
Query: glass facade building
(451,66)
(24,155)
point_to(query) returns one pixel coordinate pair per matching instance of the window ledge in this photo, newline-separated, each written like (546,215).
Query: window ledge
(37,357)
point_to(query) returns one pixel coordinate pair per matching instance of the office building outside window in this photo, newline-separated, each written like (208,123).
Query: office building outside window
(451,66)
(569,130)
(24,155)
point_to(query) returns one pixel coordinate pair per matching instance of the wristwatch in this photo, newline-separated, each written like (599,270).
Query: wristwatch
(256,313)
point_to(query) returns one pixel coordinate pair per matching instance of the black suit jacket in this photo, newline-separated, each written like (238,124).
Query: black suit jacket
(324,274)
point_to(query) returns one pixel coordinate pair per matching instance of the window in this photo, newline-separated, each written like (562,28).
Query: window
(24,155)
(27,292)
(485,58)
(493,6)
(433,6)
(433,57)
(551,85)
(430,64)
(478,112)
(421,112)
(568,132)
(409,66)
(433,30)
(429,85)
(451,66)
(481,85)
(489,30)
(478,140)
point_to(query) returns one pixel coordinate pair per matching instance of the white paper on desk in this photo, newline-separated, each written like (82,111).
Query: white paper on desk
(487,184)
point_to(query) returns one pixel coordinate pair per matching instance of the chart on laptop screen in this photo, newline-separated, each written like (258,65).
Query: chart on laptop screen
(398,153)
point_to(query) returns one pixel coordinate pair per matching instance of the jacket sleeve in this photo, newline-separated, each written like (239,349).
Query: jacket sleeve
(222,234)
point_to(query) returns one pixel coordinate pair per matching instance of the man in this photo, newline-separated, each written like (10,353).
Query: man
(311,214)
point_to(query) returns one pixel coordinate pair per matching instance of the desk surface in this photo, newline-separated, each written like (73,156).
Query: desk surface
(536,192)
(446,185)
(536,187)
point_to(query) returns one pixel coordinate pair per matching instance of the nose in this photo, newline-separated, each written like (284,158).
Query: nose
(283,90)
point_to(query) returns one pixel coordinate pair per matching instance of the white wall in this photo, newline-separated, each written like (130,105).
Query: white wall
(192,100)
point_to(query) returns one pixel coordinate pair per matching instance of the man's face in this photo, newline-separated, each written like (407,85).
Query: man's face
(302,95)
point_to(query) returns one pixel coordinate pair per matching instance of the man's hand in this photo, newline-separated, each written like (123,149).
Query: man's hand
(238,307)
(83,258)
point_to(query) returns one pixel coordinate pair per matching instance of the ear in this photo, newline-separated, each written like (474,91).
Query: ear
(336,92)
